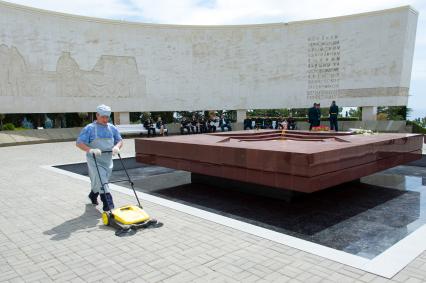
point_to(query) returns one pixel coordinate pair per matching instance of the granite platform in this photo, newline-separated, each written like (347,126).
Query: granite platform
(300,161)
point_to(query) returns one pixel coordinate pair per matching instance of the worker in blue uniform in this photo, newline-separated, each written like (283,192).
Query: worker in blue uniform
(102,140)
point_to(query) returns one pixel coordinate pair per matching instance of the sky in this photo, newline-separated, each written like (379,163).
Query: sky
(220,12)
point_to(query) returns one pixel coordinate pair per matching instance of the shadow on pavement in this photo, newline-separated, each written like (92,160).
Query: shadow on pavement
(89,219)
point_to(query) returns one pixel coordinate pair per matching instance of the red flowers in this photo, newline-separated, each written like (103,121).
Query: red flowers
(320,128)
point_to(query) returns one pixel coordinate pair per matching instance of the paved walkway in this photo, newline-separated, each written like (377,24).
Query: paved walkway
(48,232)
(20,137)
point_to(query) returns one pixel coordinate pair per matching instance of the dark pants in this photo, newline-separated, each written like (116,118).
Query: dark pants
(333,124)
(225,126)
(151,130)
(212,129)
(203,129)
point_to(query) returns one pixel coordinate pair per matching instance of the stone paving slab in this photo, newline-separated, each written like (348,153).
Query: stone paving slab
(6,139)
(49,232)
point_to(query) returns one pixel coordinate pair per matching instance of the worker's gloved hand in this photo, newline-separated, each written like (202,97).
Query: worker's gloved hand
(95,151)
(115,150)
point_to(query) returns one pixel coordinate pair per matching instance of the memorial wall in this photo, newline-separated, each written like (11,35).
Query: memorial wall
(53,62)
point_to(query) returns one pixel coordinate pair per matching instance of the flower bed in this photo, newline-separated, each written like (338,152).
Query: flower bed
(321,129)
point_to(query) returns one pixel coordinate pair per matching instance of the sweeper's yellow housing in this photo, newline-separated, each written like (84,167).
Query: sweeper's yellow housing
(126,215)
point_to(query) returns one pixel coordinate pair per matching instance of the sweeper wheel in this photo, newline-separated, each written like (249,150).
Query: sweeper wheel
(106,218)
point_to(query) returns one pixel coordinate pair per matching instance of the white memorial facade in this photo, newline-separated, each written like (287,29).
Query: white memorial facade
(52,62)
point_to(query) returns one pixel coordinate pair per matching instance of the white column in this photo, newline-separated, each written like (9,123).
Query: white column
(241,115)
(369,113)
(121,118)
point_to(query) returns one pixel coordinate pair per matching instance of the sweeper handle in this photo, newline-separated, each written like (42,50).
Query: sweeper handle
(127,174)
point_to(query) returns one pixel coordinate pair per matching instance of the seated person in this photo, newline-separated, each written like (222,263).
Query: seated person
(212,124)
(278,124)
(267,123)
(203,125)
(291,123)
(184,124)
(194,125)
(160,125)
(283,125)
(248,124)
(224,123)
(259,123)
(149,125)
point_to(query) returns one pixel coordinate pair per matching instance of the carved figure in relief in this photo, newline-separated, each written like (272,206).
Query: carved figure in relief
(13,72)
(69,81)
(112,76)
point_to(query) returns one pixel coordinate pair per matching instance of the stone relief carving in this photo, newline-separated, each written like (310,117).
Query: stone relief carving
(69,80)
(13,72)
(112,76)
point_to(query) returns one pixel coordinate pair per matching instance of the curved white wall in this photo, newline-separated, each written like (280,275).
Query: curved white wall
(53,62)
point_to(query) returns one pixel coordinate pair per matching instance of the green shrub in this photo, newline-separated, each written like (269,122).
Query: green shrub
(417,129)
(8,127)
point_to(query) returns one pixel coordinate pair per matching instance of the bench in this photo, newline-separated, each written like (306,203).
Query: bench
(131,129)
(135,129)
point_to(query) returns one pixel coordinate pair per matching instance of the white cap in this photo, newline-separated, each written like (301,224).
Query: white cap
(103,110)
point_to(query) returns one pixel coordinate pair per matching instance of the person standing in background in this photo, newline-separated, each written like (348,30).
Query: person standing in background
(312,116)
(333,112)
(318,118)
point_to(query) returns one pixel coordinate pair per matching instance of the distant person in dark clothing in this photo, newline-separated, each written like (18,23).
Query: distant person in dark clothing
(248,124)
(259,123)
(149,125)
(194,125)
(224,123)
(318,115)
(267,123)
(291,122)
(203,125)
(184,124)
(334,111)
(313,117)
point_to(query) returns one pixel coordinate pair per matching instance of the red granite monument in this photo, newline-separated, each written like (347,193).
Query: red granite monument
(294,160)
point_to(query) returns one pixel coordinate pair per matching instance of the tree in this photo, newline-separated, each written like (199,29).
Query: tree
(421,121)
(299,112)
(382,116)
(395,112)
(166,116)
(355,112)
(144,116)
